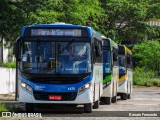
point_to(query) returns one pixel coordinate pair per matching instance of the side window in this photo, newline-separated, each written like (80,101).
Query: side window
(97,51)
(129,61)
(115,57)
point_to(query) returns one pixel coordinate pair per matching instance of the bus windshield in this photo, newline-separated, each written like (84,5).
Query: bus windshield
(106,61)
(56,58)
(121,64)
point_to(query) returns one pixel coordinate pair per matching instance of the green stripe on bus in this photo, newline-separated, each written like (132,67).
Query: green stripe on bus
(107,79)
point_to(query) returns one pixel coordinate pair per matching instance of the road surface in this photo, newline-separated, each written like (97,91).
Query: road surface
(145,101)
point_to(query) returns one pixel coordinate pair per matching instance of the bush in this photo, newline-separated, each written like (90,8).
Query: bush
(149,84)
(9,65)
(143,77)
(158,84)
(148,55)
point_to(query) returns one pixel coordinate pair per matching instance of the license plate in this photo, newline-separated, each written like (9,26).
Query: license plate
(53,97)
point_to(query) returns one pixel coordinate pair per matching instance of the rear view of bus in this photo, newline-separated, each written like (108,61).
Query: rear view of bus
(125,72)
(56,66)
(110,71)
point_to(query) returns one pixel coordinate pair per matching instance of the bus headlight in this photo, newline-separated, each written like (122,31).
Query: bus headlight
(26,87)
(83,88)
(23,84)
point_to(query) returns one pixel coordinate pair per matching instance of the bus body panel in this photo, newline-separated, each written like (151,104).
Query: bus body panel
(111,89)
(98,76)
(115,79)
(122,88)
(26,97)
(107,92)
(130,79)
(125,86)
(56,87)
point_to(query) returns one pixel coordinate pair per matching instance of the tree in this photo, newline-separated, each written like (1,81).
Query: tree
(148,55)
(81,12)
(14,14)
(125,20)
(121,20)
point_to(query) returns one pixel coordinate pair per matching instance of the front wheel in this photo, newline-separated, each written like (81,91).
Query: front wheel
(88,108)
(29,107)
(129,96)
(124,96)
(96,105)
(114,99)
(106,100)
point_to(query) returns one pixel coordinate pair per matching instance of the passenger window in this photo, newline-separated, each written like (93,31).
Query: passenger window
(97,51)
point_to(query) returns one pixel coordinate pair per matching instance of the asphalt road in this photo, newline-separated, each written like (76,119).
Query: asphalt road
(144,102)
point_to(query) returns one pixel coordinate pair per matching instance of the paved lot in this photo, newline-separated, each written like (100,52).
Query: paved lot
(144,100)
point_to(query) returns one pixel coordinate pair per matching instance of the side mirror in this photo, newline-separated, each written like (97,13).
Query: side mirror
(16,49)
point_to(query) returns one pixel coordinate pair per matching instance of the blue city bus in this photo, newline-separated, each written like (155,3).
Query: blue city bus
(59,64)
(110,71)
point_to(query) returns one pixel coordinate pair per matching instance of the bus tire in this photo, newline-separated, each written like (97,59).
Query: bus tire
(96,104)
(88,108)
(106,100)
(124,96)
(129,96)
(114,99)
(29,107)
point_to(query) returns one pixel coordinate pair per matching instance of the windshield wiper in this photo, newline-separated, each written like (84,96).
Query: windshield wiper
(65,47)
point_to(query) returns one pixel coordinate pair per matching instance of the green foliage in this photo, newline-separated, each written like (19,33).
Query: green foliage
(156,82)
(148,55)
(6,108)
(125,20)
(9,65)
(153,11)
(106,16)
(143,77)
(149,84)
(3,108)
(14,15)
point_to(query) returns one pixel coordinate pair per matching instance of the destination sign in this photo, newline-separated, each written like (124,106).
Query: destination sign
(56,32)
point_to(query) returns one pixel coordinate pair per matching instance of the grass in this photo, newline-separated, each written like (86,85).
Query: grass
(3,108)
(143,77)
(156,82)
(9,65)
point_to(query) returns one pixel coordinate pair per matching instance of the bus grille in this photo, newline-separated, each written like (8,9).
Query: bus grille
(56,80)
(45,95)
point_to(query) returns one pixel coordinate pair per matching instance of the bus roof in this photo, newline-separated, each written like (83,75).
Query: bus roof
(123,48)
(63,25)
(111,42)
(55,25)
